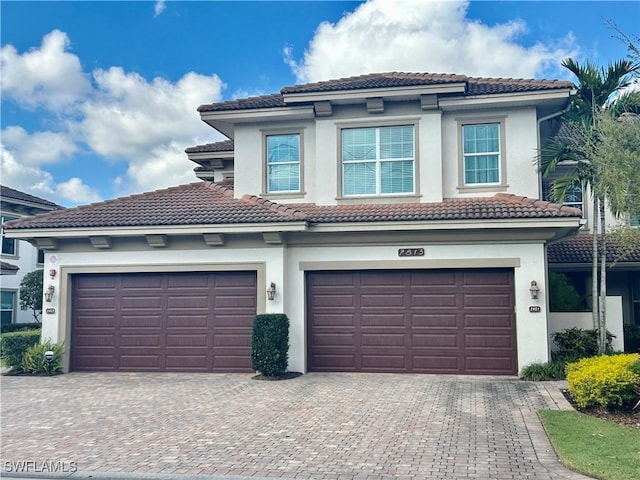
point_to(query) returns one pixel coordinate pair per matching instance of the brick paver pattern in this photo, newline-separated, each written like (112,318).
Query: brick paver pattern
(317,426)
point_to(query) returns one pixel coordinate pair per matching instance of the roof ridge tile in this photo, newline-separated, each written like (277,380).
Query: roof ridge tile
(293,213)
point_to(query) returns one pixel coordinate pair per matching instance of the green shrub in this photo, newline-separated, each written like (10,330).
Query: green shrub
(16,327)
(563,296)
(270,344)
(632,338)
(15,344)
(35,363)
(536,372)
(603,381)
(576,343)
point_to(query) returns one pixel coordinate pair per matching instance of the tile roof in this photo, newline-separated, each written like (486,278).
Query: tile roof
(500,206)
(13,194)
(579,248)
(475,86)
(8,267)
(206,203)
(223,146)
(201,203)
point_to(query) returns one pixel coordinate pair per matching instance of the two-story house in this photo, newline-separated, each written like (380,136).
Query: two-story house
(393,217)
(18,257)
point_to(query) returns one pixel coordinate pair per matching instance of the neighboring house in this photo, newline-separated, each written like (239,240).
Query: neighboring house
(18,257)
(573,256)
(395,215)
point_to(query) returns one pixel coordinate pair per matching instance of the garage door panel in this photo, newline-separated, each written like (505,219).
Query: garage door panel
(435,340)
(140,340)
(163,321)
(385,320)
(487,300)
(383,340)
(434,321)
(434,300)
(430,321)
(436,363)
(333,339)
(490,321)
(386,300)
(384,363)
(488,341)
(187,321)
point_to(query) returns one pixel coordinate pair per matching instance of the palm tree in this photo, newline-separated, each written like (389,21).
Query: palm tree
(598,90)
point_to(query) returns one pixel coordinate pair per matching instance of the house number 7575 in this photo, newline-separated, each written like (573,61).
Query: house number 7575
(411,252)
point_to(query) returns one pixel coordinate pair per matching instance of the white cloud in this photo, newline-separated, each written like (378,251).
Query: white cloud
(129,116)
(158,8)
(421,36)
(48,76)
(77,192)
(37,148)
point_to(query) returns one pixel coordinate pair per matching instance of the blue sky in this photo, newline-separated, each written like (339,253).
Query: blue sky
(99,98)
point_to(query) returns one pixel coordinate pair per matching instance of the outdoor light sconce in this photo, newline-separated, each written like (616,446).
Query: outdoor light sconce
(271,291)
(52,273)
(534,290)
(48,294)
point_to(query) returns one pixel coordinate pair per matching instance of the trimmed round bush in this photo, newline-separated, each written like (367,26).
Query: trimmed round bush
(603,381)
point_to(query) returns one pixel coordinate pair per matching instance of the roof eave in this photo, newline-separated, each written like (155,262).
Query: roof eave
(514,98)
(341,96)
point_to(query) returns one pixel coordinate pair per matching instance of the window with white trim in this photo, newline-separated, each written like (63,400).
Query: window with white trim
(7,306)
(8,244)
(572,195)
(481,154)
(634,220)
(283,163)
(378,160)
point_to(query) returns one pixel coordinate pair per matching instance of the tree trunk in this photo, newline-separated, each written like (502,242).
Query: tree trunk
(602,330)
(594,267)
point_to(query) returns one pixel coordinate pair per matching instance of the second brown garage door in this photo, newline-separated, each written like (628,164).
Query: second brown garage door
(190,322)
(421,321)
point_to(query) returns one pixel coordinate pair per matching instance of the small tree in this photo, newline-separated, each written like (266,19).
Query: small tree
(31,293)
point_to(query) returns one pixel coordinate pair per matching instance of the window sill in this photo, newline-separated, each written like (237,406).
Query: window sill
(378,199)
(283,195)
(483,188)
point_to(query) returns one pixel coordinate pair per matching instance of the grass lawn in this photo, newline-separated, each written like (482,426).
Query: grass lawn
(593,446)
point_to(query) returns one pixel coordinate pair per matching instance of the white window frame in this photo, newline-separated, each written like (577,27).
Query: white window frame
(501,184)
(266,165)
(3,219)
(13,306)
(378,161)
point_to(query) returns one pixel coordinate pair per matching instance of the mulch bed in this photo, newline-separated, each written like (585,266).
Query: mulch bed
(621,416)
(286,376)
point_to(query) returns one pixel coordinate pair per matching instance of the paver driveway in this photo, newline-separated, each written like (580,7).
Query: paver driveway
(318,426)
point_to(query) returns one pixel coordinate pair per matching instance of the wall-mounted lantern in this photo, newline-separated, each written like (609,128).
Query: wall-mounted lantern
(48,293)
(52,273)
(534,290)
(271,291)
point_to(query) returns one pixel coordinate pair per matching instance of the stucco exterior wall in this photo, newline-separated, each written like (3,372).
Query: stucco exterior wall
(559,321)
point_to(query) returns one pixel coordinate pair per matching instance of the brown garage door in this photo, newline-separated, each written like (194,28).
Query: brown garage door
(421,321)
(188,322)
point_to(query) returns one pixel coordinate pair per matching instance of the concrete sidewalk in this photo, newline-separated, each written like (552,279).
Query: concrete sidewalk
(318,426)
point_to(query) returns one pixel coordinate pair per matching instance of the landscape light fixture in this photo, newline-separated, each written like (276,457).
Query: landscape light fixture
(48,356)
(271,291)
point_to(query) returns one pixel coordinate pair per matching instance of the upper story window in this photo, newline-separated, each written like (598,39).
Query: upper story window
(8,244)
(634,220)
(481,152)
(283,163)
(378,160)
(572,196)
